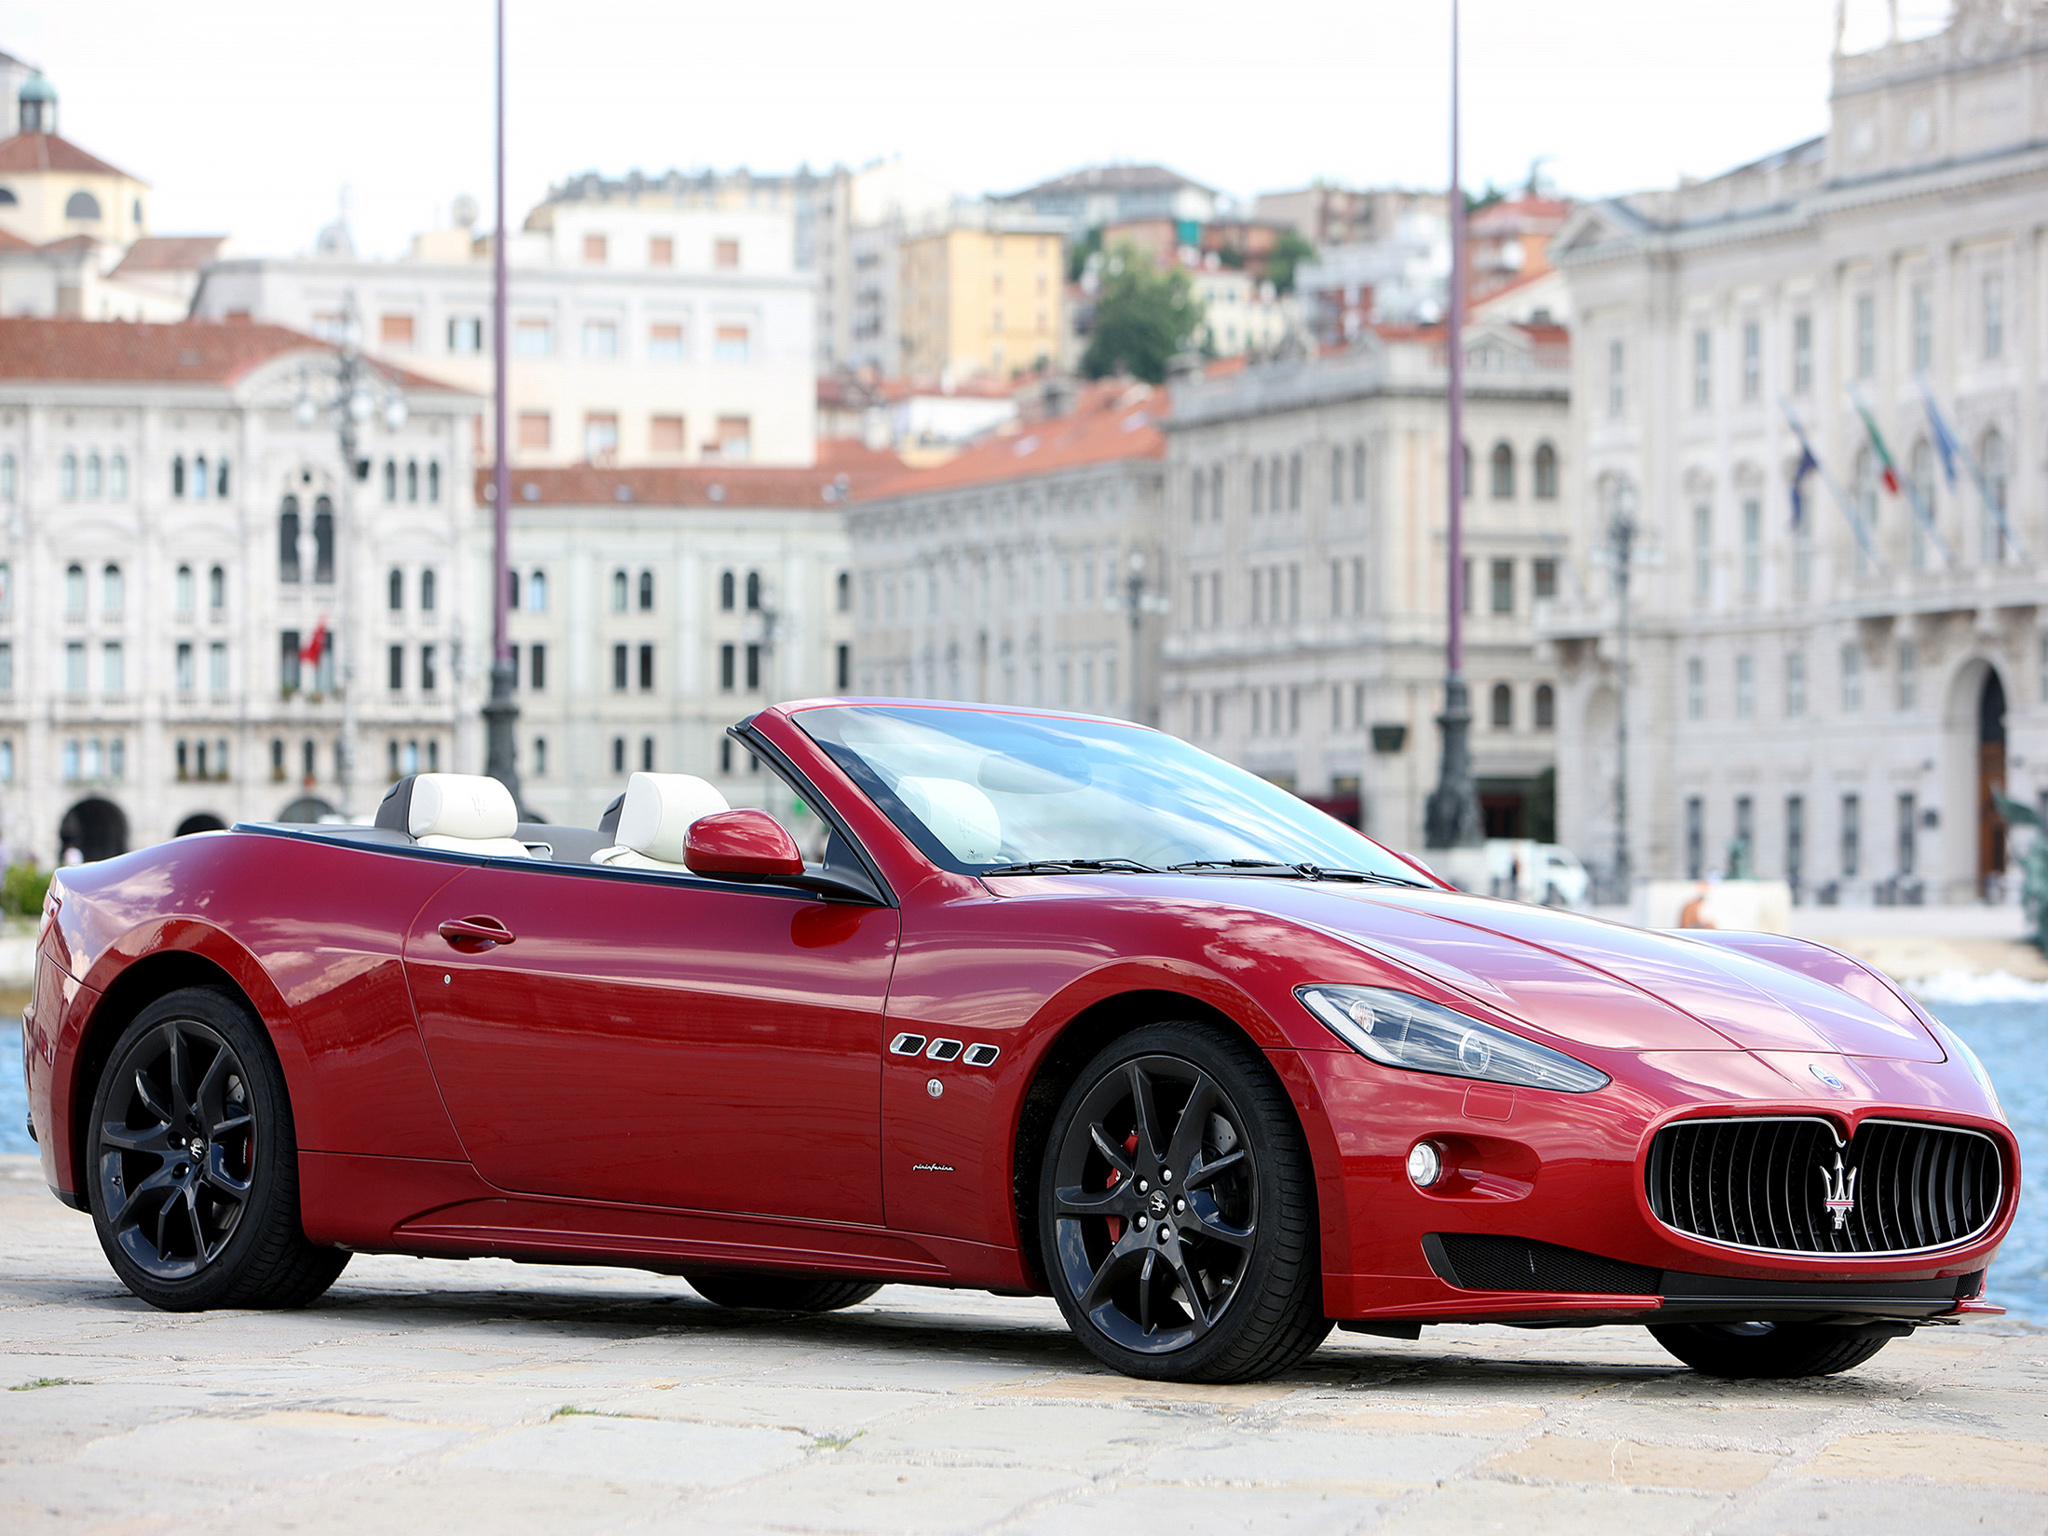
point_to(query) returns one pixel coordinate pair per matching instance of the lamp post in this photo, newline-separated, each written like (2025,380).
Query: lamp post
(1139,601)
(501,714)
(357,393)
(1452,819)
(1621,538)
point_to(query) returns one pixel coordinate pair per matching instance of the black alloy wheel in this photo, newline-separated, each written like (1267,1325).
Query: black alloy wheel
(1772,1351)
(1177,1210)
(194,1179)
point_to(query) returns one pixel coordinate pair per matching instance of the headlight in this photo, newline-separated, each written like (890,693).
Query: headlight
(1957,1046)
(1399,1030)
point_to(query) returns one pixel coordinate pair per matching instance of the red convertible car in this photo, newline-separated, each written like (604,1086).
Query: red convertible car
(1057,1005)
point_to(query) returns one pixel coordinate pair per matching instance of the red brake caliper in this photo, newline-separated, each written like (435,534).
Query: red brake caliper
(1116,1223)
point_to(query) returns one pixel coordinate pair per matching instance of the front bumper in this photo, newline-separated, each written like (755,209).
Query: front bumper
(1555,1184)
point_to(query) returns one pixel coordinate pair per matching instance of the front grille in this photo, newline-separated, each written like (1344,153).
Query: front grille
(1780,1185)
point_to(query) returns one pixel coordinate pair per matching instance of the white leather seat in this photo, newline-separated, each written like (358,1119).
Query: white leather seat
(464,813)
(960,816)
(654,821)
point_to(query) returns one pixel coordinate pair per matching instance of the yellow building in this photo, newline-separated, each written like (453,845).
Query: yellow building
(981,295)
(50,189)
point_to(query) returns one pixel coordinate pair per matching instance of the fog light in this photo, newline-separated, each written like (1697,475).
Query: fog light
(1425,1164)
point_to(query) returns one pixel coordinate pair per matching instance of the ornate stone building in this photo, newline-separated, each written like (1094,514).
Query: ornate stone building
(1831,698)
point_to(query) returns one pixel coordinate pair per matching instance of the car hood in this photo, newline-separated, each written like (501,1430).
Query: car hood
(1598,983)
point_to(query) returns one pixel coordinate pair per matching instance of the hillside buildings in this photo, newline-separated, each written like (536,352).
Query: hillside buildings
(1098,195)
(1305,511)
(1832,698)
(981,292)
(202,615)
(1025,571)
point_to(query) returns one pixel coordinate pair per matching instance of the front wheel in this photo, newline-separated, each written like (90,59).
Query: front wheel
(194,1177)
(1177,1213)
(1769,1351)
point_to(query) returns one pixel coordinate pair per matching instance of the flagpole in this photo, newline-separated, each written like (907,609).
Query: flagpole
(501,714)
(1841,497)
(1900,485)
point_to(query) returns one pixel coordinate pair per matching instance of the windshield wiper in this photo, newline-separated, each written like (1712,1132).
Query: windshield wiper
(1075,867)
(1292,871)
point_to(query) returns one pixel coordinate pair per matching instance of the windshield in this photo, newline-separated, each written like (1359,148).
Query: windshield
(977,790)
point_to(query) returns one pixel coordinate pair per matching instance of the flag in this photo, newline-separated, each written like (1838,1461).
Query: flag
(1884,454)
(1944,440)
(311,652)
(1806,466)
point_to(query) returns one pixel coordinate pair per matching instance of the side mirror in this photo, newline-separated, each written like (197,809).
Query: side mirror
(741,843)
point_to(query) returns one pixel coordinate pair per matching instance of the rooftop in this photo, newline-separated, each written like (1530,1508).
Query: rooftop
(170,253)
(1114,178)
(844,470)
(1112,419)
(27,152)
(188,352)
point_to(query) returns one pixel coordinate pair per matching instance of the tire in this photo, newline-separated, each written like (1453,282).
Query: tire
(1126,1247)
(782,1293)
(193,1164)
(1768,1351)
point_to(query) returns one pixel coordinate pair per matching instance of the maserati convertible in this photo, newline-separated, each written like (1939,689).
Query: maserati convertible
(1010,999)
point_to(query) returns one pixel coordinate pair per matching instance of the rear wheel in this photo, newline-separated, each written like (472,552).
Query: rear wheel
(783,1293)
(195,1167)
(1769,1351)
(1177,1210)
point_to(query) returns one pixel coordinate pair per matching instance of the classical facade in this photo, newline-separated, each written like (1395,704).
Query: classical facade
(646,330)
(1026,570)
(1830,698)
(1308,569)
(652,608)
(202,617)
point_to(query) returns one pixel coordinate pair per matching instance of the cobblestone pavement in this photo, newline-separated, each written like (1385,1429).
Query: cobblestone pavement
(490,1396)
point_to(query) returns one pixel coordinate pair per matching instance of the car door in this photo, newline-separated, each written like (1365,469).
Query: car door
(659,1039)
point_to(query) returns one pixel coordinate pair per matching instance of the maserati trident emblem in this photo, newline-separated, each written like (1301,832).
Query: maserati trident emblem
(1826,1077)
(1838,1191)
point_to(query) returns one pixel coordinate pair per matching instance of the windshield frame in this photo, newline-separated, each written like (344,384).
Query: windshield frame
(855,766)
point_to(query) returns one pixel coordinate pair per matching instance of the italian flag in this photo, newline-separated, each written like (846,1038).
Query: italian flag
(1884,454)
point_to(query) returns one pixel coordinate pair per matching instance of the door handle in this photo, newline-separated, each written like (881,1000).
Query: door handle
(475,932)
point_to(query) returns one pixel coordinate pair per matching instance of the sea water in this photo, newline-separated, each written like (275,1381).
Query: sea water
(2004,1020)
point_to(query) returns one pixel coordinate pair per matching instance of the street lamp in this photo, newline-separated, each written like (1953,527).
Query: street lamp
(1452,817)
(1621,538)
(355,393)
(501,714)
(1138,602)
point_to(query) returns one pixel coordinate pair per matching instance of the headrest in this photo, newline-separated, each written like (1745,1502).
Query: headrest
(959,815)
(470,806)
(655,820)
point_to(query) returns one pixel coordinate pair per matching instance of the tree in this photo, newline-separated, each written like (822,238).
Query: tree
(1079,252)
(1142,317)
(1289,252)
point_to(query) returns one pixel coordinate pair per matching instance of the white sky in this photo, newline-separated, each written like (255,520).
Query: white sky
(248,116)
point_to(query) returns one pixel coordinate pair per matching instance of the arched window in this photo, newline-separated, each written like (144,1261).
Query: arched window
(618,754)
(1546,472)
(199,477)
(537,592)
(287,539)
(433,479)
(74,590)
(753,591)
(412,479)
(93,479)
(395,590)
(618,591)
(67,476)
(323,540)
(217,589)
(1866,500)
(1294,482)
(117,478)
(1258,483)
(391,479)
(427,592)
(1465,472)
(1358,473)
(6,477)
(647,754)
(178,475)
(113,595)
(220,480)
(82,205)
(1546,707)
(1503,472)
(1195,495)
(512,590)
(843,593)
(8,199)
(1503,707)
(185,589)
(725,591)
(1336,476)
(647,591)
(1991,459)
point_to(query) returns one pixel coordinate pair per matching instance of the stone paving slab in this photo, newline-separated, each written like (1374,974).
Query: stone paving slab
(489,1396)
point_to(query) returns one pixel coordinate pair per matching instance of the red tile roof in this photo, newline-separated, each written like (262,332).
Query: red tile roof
(187,352)
(47,152)
(170,253)
(15,242)
(1111,420)
(694,485)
